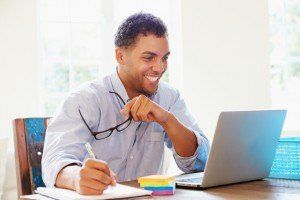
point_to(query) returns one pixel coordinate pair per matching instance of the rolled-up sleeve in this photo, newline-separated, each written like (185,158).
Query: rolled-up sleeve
(65,138)
(196,162)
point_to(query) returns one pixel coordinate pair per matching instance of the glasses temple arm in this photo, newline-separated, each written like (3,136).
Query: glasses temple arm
(85,122)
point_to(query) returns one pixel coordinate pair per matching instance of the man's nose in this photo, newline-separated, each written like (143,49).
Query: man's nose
(158,67)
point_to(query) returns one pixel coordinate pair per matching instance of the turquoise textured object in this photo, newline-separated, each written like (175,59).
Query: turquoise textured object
(286,163)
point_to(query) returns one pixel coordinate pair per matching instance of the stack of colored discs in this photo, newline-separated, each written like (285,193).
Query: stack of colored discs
(158,184)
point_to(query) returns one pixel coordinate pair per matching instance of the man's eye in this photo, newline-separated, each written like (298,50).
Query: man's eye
(148,58)
(165,58)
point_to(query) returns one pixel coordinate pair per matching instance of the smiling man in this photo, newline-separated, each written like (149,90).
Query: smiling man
(127,118)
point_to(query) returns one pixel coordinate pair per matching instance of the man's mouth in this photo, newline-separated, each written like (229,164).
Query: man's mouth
(152,78)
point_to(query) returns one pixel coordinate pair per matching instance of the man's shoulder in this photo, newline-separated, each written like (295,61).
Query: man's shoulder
(167,94)
(167,89)
(94,86)
(91,89)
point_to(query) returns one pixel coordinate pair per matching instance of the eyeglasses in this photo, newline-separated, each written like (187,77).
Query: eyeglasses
(106,133)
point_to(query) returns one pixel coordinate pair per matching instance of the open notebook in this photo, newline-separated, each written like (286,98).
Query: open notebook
(117,192)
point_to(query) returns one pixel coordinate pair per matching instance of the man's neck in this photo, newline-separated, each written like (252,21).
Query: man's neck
(131,92)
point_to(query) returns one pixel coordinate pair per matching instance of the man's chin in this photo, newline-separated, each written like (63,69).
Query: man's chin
(150,91)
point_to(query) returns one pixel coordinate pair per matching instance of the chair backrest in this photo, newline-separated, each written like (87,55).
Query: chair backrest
(29,136)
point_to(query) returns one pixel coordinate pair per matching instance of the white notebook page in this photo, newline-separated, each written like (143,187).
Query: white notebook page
(119,191)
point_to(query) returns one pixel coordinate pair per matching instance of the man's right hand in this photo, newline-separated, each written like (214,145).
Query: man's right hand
(94,177)
(91,179)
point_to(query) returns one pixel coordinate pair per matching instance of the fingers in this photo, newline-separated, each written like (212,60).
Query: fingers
(93,184)
(98,164)
(86,185)
(143,112)
(140,100)
(139,108)
(100,171)
(126,110)
(96,175)
(89,191)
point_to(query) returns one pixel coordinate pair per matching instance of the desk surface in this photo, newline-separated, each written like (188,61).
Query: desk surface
(273,189)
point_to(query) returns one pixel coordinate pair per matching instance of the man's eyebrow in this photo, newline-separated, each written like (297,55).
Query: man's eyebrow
(149,52)
(167,54)
(154,54)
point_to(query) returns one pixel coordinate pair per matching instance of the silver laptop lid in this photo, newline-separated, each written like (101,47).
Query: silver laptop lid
(243,147)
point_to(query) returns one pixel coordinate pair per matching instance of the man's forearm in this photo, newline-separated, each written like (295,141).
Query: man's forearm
(183,139)
(142,108)
(66,177)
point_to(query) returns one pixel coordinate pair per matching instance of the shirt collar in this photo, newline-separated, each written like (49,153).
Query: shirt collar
(117,85)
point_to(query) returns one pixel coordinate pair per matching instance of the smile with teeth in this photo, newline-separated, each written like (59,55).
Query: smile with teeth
(151,78)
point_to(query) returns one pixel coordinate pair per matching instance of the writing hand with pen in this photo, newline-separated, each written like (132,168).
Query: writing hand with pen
(95,176)
(90,179)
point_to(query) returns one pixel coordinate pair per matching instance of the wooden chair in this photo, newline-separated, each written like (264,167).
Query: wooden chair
(29,136)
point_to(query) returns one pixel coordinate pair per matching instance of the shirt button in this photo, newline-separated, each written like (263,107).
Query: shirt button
(131,157)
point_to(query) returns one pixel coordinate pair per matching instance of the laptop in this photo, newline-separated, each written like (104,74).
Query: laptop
(243,149)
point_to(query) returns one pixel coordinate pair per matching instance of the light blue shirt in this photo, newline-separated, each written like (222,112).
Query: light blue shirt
(136,151)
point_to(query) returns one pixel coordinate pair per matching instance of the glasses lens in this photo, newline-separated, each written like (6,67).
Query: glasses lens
(103,135)
(124,125)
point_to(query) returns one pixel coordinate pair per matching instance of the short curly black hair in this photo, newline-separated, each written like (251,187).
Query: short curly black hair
(136,24)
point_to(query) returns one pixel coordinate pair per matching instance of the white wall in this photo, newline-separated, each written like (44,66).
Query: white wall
(225,57)
(18,75)
(18,62)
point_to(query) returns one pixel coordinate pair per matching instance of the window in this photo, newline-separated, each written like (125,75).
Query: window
(76,42)
(285,61)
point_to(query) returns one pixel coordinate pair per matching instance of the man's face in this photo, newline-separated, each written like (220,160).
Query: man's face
(145,62)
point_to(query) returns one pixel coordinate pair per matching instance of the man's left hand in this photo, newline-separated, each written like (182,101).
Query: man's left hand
(143,109)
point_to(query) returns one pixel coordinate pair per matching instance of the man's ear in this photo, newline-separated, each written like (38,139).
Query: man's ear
(120,53)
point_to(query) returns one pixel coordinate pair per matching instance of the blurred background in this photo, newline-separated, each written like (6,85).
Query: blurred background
(225,55)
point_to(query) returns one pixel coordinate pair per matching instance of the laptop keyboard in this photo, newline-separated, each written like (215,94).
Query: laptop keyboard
(286,163)
(191,180)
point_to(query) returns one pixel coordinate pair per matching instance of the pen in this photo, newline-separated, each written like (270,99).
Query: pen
(91,152)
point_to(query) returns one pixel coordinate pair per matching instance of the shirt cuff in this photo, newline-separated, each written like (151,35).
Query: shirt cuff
(50,178)
(197,161)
